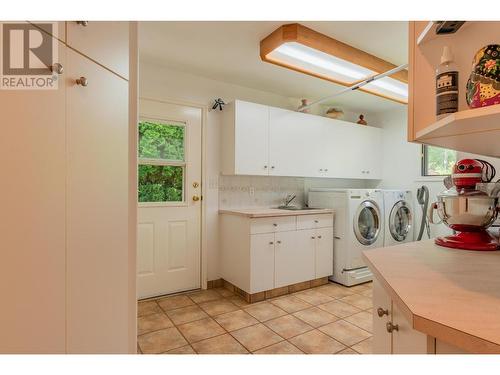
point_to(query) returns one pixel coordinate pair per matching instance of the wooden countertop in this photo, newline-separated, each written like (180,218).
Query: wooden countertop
(273,212)
(452,295)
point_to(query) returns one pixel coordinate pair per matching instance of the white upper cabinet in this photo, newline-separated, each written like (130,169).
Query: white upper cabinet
(262,140)
(104,42)
(294,148)
(245,139)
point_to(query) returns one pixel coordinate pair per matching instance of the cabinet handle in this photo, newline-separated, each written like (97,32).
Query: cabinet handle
(316,221)
(336,237)
(57,68)
(312,238)
(278,242)
(321,170)
(82,23)
(319,236)
(265,166)
(381,312)
(272,166)
(326,170)
(271,243)
(391,327)
(275,224)
(82,81)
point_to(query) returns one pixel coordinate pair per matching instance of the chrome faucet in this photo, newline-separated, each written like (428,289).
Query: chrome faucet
(289,198)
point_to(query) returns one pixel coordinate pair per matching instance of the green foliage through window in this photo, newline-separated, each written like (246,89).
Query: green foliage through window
(161,141)
(437,161)
(159,182)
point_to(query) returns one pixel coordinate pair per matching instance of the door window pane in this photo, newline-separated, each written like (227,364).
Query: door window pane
(161,183)
(161,141)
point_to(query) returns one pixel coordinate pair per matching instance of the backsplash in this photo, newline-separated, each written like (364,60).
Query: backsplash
(258,191)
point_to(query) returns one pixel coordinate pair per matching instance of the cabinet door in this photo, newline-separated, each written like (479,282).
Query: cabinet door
(251,138)
(324,252)
(32,200)
(372,152)
(382,340)
(97,209)
(293,144)
(294,257)
(105,42)
(406,340)
(261,262)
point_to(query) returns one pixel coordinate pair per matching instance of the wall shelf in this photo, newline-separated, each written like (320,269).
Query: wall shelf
(472,130)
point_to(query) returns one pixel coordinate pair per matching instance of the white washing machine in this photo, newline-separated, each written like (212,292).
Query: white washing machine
(398,217)
(358,225)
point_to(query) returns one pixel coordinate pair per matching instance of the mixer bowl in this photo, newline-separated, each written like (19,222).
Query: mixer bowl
(467,213)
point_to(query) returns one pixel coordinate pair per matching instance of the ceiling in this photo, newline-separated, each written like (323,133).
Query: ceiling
(229,52)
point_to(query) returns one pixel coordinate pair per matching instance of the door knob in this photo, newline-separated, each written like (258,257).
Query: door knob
(381,312)
(82,81)
(391,327)
(57,68)
(196,198)
(82,23)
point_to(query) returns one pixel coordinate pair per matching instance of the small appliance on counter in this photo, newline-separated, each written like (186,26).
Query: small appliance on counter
(467,208)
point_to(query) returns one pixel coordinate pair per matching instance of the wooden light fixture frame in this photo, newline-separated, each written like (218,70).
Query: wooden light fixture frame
(298,33)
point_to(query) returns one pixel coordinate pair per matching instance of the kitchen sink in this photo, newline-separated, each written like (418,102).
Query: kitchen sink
(295,208)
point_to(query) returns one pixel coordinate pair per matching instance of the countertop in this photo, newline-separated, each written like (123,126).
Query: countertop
(452,295)
(273,212)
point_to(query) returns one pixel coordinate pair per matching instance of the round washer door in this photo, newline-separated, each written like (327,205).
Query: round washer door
(400,221)
(367,222)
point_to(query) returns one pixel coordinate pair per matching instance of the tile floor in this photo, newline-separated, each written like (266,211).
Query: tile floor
(330,319)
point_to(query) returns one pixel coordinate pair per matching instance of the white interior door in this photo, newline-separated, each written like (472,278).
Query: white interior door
(169,213)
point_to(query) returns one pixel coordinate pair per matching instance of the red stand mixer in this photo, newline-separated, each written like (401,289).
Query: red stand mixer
(467,210)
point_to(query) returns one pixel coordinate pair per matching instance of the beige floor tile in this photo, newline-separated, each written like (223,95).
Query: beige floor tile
(283,347)
(152,322)
(224,344)
(182,350)
(224,292)
(174,302)
(348,351)
(363,319)
(316,342)
(200,330)
(367,293)
(288,326)
(256,337)
(290,304)
(313,297)
(339,309)
(147,307)
(359,301)
(218,307)
(315,317)
(186,314)
(359,288)
(161,341)
(334,290)
(235,320)
(204,296)
(345,332)
(364,347)
(238,301)
(264,311)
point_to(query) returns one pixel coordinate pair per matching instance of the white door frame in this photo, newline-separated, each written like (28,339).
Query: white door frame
(203,245)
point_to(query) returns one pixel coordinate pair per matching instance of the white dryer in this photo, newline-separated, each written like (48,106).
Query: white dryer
(358,225)
(398,217)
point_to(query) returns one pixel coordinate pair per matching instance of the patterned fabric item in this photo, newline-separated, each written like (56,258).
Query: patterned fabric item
(483,86)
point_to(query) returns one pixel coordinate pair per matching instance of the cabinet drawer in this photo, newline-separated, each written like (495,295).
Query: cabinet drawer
(314,221)
(272,224)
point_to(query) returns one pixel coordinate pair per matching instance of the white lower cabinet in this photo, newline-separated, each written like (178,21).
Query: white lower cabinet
(259,254)
(392,332)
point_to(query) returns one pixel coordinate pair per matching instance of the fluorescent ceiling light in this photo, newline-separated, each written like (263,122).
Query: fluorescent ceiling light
(305,50)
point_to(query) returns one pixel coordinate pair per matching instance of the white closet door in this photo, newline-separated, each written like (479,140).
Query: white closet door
(32,234)
(97,209)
